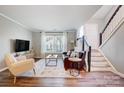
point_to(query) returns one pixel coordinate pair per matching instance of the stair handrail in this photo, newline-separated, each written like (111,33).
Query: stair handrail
(113,15)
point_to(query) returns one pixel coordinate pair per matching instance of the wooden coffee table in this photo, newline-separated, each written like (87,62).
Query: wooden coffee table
(51,58)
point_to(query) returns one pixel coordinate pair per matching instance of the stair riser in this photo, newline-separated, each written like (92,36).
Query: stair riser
(101,69)
(96,54)
(94,50)
(103,62)
(97,63)
(97,58)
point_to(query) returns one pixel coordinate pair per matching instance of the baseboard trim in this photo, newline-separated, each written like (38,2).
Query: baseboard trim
(114,69)
(118,73)
(3,69)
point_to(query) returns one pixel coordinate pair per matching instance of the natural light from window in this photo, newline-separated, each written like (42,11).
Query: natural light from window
(54,42)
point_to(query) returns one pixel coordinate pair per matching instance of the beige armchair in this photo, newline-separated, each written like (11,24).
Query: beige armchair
(17,67)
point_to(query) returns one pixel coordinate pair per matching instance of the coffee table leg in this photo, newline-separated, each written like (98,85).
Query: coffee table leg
(56,62)
(45,61)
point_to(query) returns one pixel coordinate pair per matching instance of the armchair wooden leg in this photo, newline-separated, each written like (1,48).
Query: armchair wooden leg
(14,79)
(34,71)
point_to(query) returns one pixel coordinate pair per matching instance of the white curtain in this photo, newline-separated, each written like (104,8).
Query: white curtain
(43,42)
(65,41)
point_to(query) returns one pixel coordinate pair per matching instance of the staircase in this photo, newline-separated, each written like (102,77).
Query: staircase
(98,62)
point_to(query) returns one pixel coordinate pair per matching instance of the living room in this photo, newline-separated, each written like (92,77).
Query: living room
(24,43)
(13,33)
(53,47)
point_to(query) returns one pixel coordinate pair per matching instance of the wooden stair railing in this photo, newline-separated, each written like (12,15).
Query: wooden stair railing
(101,34)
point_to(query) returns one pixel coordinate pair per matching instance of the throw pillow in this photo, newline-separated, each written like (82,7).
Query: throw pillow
(68,53)
(72,54)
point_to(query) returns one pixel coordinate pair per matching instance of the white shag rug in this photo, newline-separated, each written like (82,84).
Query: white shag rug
(57,72)
(49,71)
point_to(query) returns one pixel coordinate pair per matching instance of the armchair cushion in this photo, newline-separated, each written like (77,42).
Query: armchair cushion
(19,58)
(74,59)
(21,66)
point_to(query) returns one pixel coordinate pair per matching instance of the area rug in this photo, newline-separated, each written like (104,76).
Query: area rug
(50,71)
(57,72)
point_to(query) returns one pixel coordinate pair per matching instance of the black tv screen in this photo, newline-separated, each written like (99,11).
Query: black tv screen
(21,45)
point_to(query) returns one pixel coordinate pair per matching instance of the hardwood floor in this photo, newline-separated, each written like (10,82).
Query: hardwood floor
(92,79)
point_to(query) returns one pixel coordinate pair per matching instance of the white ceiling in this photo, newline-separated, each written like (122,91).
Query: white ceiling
(49,18)
(102,12)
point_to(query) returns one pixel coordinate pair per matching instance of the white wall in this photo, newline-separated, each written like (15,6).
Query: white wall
(36,43)
(91,33)
(114,49)
(108,16)
(99,27)
(10,31)
(99,22)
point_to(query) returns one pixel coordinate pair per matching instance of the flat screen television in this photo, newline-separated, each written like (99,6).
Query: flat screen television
(21,45)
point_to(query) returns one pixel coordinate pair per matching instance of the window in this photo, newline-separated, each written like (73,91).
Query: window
(54,42)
